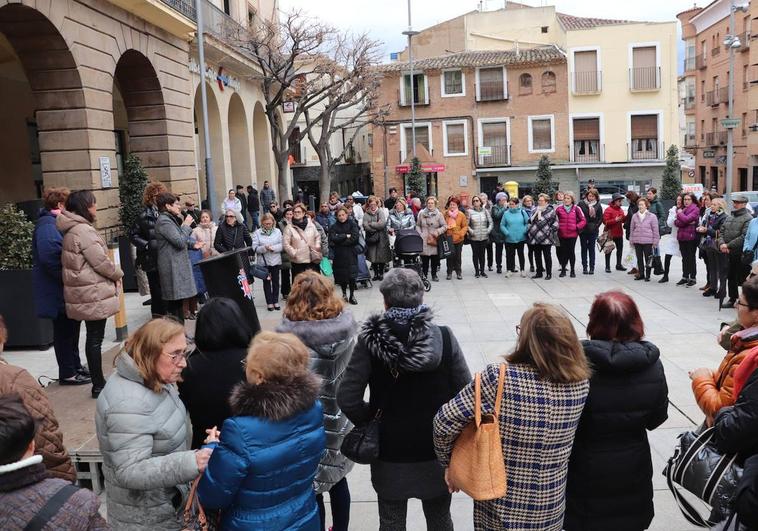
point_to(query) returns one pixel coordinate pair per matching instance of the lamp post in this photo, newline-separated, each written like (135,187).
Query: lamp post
(732,42)
(210,179)
(410,33)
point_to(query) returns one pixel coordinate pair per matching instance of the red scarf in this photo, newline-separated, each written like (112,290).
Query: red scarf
(744,370)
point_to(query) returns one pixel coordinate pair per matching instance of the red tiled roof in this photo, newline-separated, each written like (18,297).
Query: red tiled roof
(530,56)
(570,22)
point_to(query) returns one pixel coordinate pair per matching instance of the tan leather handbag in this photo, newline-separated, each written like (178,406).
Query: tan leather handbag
(477,466)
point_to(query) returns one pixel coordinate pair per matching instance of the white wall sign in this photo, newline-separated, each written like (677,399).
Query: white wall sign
(105,172)
(463,180)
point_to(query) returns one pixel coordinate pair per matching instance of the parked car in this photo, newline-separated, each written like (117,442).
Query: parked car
(605,200)
(752,200)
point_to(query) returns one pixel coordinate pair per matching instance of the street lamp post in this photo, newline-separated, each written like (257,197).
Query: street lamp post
(209,176)
(732,42)
(410,33)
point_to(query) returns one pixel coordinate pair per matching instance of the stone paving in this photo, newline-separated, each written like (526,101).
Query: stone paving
(483,314)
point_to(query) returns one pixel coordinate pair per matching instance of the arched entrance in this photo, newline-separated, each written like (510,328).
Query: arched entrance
(44,138)
(217,148)
(239,143)
(262,149)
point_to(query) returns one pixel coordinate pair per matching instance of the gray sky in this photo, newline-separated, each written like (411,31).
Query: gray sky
(385,20)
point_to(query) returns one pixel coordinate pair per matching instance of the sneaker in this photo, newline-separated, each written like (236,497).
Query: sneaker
(620,268)
(523,274)
(489,268)
(76,379)
(499,270)
(484,275)
(592,271)
(585,271)
(507,274)
(459,276)
(476,275)
(562,273)
(691,283)
(352,300)
(572,274)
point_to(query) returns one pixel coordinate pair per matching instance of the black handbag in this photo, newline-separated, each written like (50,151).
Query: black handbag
(372,236)
(444,246)
(701,470)
(255,270)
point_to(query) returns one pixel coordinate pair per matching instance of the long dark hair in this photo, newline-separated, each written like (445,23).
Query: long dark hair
(220,325)
(79,203)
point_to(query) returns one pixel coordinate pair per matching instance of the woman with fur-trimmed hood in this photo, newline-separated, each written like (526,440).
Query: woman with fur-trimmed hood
(261,473)
(411,367)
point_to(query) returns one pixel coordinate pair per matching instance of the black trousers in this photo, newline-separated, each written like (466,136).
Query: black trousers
(66,345)
(510,256)
(393,514)
(688,248)
(157,307)
(530,254)
(619,252)
(93,349)
(271,287)
(478,249)
(499,254)
(454,260)
(435,262)
(339,500)
(175,309)
(737,273)
(299,268)
(489,253)
(643,251)
(717,269)
(543,252)
(286,283)
(587,243)
(567,252)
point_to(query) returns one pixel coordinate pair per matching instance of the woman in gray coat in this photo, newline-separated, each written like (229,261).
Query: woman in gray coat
(431,225)
(143,431)
(377,240)
(174,265)
(316,315)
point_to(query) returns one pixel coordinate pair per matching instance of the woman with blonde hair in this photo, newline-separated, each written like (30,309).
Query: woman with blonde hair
(316,315)
(431,225)
(542,234)
(142,236)
(267,243)
(261,472)
(377,239)
(716,261)
(457,228)
(143,433)
(545,387)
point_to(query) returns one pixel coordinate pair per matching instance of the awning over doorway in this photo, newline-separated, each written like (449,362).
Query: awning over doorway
(425,159)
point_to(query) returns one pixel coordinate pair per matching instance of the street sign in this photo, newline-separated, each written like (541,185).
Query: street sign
(691,173)
(708,153)
(730,123)
(485,151)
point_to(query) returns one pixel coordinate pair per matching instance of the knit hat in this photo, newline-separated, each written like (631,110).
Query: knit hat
(499,196)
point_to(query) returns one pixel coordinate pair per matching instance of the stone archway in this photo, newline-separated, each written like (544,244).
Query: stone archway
(45,137)
(217,145)
(239,143)
(262,148)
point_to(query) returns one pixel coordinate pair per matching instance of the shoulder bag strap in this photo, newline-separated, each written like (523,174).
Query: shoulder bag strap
(499,395)
(478,399)
(51,508)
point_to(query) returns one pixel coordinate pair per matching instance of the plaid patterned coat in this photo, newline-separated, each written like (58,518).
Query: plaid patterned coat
(538,420)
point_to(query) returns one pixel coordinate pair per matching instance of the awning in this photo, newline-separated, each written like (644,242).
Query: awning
(426,167)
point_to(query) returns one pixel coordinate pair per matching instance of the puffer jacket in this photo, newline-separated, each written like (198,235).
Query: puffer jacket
(206,235)
(644,229)
(48,438)
(261,473)
(457,228)
(47,276)
(497,212)
(514,225)
(615,228)
(656,207)
(751,237)
(298,243)
(399,221)
(144,439)
(89,275)
(687,220)
(543,227)
(610,472)
(479,224)
(25,487)
(593,223)
(274,240)
(142,236)
(715,391)
(431,225)
(230,237)
(734,229)
(330,344)
(736,427)
(570,223)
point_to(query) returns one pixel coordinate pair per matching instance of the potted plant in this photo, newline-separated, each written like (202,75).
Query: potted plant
(131,188)
(25,329)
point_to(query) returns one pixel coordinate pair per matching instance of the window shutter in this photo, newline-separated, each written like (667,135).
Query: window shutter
(643,57)
(494,134)
(585,61)
(645,126)
(587,129)
(541,138)
(491,75)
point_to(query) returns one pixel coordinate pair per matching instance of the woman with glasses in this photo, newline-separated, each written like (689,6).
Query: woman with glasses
(222,336)
(231,234)
(479,227)
(143,434)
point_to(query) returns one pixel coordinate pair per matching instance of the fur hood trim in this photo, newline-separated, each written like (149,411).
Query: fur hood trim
(418,354)
(276,399)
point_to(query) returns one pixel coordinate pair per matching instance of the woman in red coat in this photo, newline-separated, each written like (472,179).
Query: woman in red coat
(613,219)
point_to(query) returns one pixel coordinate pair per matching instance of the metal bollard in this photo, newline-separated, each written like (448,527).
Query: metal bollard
(122,331)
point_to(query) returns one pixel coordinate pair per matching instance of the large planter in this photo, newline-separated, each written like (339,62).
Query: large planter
(127,264)
(25,329)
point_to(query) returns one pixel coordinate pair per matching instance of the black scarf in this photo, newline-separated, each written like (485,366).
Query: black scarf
(301,224)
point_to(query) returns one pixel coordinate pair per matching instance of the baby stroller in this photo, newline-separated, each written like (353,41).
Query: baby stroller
(408,248)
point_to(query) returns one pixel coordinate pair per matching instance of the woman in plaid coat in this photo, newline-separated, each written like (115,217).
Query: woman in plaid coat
(546,385)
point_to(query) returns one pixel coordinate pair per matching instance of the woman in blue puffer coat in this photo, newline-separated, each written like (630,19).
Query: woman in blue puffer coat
(514,225)
(261,473)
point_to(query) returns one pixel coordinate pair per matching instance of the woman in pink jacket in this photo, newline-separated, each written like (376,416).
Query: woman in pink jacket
(687,219)
(644,235)
(571,221)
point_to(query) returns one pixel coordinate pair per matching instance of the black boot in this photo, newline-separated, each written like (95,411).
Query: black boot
(647,273)
(657,266)
(344,294)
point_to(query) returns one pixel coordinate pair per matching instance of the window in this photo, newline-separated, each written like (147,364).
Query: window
(644,134)
(453,83)
(525,84)
(493,134)
(745,77)
(702,130)
(644,74)
(415,90)
(744,128)
(423,137)
(702,90)
(548,82)
(586,139)
(491,84)
(544,29)
(541,134)
(586,72)
(454,139)
(251,13)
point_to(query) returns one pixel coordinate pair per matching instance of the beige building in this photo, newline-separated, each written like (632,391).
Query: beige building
(84,82)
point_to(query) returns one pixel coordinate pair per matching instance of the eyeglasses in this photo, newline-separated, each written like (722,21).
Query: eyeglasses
(227,217)
(518,330)
(740,303)
(178,355)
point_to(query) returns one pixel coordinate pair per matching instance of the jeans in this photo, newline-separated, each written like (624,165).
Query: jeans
(286,283)
(271,287)
(643,252)
(254,216)
(66,345)
(619,252)
(454,260)
(434,259)
(478,249)
(510,256)
(587,241)
(393,514)
(566,253)
(93,347)
(339,500)
(157,308)
(541,251)
(688,248)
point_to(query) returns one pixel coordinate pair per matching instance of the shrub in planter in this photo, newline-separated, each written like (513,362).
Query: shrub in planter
(130,190)
(16,303)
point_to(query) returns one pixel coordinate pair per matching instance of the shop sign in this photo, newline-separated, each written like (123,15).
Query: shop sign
(426,167)
(219,76)
(708,153)
(694,188)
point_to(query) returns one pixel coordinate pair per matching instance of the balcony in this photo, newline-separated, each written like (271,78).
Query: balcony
(492,91)
(724,95)
(221,25)
(174,16)
(716,138)
(420,101)
(744,40)
(712,98)
(645,78)
(689,64)
(590,82)
(688,103)
(597,156)
(690,141)
(645,149)
(716,51)
(700,62)
(501,156)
